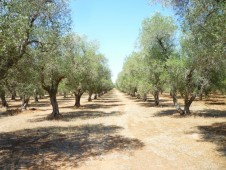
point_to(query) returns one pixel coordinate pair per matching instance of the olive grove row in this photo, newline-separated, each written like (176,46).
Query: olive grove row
(190,65)
(38,53)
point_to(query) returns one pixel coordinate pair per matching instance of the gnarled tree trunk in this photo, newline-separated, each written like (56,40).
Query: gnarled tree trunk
(25,101)
(36,96)
(145,97)
(90,97)
(53,101)
(176,104)
(13,95)
(156,97)
(65,95)
(52,91)
(4,102)
(78,94)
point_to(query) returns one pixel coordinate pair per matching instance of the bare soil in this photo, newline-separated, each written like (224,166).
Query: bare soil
(114,132)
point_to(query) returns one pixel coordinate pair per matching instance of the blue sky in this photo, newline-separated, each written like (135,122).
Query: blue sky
(115,24)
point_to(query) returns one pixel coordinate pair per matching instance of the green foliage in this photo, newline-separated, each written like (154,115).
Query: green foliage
(24,23)
(87,69)
(157,36)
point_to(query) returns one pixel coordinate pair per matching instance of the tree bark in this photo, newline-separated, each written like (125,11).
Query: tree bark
(200,96)
(145,97)
(53,101)
(4,102)
(36,96)
(52,91)
(187,101)
(25,101)
(65,95)
(78,96)
(156,97)
(187,104)
(176,104)
(13,96)
(90,97)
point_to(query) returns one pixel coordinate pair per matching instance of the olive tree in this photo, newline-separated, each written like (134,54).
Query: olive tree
(22,23)
(156,40)
(203,48)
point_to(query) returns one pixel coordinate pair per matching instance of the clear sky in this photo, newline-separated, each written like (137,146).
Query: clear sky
(115,24)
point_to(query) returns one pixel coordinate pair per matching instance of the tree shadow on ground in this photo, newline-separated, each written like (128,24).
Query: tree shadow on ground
(107,101)
(93,106)
(70,116)
(97,106)
(211,113)
(149,99)
(10,112)
(215,103)
(207,113)
(54,147)
(161,104)
(165,113)
(215,133)
(40,104)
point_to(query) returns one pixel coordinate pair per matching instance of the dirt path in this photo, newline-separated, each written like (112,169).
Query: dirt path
(114,132)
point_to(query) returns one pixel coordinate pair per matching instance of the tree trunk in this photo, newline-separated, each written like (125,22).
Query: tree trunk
(54,104)
(145,97)
(90,97)
(65,95)
(13,96)
(78,98)
(156,96)
(187,104)
(21,97)
(187,109)
(188,92)
(4,102)
(36,97)
(176,104)
(200,96)
(95,96)
(174,98)
(25,101)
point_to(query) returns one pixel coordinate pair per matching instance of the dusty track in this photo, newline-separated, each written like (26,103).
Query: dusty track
(115,132)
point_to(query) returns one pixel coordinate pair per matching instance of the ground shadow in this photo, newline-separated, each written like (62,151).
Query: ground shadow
(93,106)
(10,112)
(215,133)
(211,113)
(215,103)
(54,147)
(161,104)
(70,116)
(149,99)
(165,113)
(40,104)
(208,113)
(107,101)
(97,106)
